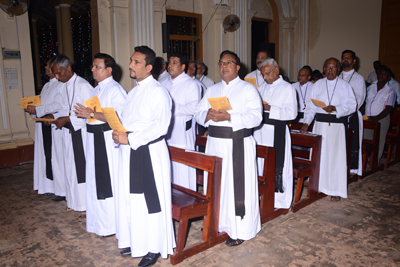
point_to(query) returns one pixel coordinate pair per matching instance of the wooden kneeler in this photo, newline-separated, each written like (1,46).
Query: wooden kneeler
(371,147)
(393,141)
(187,204)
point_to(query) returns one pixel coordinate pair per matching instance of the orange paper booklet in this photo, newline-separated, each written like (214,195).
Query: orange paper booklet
(220,103)
(31,100)
(94,104)
(42,119)
(265,102)
(318,103)
(113,120)
(365,117)
(252,81)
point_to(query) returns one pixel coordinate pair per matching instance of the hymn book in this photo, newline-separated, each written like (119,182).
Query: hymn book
(113,120)
(252,81)
(318,103)
(220,103)
(42,119)
(94,104)
(31,101)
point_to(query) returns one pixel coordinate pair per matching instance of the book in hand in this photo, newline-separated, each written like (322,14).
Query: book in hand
(113,120)
(318,103)
(252,81)
(31,101)
(42,119)
(220,103)
(94,104)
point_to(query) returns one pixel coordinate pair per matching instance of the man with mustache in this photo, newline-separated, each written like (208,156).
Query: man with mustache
(261,56)
(303,88)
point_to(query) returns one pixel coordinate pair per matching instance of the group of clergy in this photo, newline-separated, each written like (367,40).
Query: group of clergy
(123,179)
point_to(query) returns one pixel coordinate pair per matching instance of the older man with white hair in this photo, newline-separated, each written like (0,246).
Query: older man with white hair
(280,106)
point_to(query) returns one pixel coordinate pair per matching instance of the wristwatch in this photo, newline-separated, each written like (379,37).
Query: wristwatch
(91,115)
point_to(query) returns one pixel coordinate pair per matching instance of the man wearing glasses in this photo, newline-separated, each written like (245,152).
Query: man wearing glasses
(230,137)
(280,107)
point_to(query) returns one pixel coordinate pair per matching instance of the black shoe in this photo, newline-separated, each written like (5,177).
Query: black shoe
(149,259)
(48,194)
(125,251)
(59,198)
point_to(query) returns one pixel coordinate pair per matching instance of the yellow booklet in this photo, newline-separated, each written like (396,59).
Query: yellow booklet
(42,119)
(365,117)
(94,104)
(252,81)
(318,103)
(113,120)
(265,102)
(220,103)
(31,100)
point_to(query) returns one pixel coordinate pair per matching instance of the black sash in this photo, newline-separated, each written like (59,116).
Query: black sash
(238,161)
(79,154)
(142,176)
(102,170)
(355,145)
(189,124)
(279,144)
(332,119)
(47,143)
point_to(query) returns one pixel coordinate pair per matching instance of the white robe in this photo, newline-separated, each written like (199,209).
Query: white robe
(40,180)
(163,76)
(147,115)
(76,91)
(246,113)
(201,86)
(185,94)
(258,77)
(101,213)
(282,97)
(357,82)
(303,94)
(333,168)
(208,82)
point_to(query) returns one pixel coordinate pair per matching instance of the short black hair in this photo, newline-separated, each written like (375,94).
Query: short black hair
(227,52)
(386,68)
(316,74)
(157,67)
(187,66)
(377,61)
(353,54)
(337,61)
(150,55)
(182,58)
(307,68)
(109,61)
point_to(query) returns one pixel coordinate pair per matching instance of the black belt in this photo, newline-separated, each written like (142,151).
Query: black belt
(47,143)
(332,119)
(142,176)
(189,124)
(102,170)
(355,145)
(279,144)
(79,154)
(238,161)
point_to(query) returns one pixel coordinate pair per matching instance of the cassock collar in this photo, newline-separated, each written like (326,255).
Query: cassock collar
(53,79)
(278,81)
(145,81)
(105,81)
(349,72)
(304,84)
(333,81)
(231,83)
(181,76)
(258,72)
(72,79)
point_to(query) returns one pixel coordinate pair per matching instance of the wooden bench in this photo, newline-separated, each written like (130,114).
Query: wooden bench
(187,204)
(393,140)
(371,148)
(306,167)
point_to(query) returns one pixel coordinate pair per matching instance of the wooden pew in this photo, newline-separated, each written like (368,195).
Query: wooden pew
(306,167)
(266,181)
(187,204)
(393,141)
(371,147)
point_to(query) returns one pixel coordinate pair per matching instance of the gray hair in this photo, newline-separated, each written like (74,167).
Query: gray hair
(269,61)
(61,60)
(337,60)
(202,63)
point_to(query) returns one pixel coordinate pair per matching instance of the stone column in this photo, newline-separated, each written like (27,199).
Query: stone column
(241,37)
(287,62)
(159,18)
(38,71)
(59,30)
(66,29)
(303,33)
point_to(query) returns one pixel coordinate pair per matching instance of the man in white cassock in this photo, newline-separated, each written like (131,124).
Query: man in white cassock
(332,123)
(145,166)
(48,174)
(160,68)
(102,154)
(200,74)
(280,107)
(303,88)
(256,74)
(230,137)
(185,94)
(191,70)
(357,82)
(76,90)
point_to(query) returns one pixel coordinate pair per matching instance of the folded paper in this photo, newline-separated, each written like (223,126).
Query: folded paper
(220,103)
(113,120)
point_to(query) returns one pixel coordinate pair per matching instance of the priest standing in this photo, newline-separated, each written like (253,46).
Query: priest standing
(303,88)
(332,123)
(256,74)
(230,137)
(145,166)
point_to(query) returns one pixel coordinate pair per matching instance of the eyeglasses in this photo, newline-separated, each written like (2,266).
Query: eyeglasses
(269,73)
(227,63)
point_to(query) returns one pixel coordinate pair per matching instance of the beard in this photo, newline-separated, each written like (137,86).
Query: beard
(198,76)
(346,64)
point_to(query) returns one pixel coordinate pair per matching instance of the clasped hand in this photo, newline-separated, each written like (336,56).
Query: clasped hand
(217,115)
